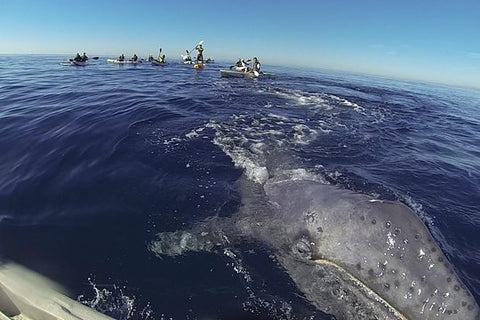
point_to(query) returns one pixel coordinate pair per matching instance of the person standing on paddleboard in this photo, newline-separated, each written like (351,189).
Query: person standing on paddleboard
(199,49)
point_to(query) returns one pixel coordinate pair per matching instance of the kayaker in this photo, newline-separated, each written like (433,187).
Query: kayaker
(256,65)
(77,58)
(161,59)
(241,65)
(187,58)
(121,57)
(134,58)
(199,49)
(84,57)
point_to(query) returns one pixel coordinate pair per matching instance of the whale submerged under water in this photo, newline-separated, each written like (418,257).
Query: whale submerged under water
(351,255)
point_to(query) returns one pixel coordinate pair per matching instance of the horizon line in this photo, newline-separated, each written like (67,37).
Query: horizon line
(298,66)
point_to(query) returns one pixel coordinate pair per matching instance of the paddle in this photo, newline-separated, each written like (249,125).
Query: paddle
(94,58)
(201,42)
(231,67)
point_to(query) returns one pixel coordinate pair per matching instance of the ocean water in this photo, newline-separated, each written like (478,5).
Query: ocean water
(97,160)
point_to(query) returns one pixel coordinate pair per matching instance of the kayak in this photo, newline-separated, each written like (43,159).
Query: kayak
(116,61)
(243,74)
(79,63)
(25,294)
(236,74)
(157,63)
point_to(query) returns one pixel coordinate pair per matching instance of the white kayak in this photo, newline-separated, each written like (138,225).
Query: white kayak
(243,74)
(25,294)
(116,61)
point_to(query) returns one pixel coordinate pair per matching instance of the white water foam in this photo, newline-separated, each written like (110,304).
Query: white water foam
(317,100)
(194,133)
(241,158)
(298,174)
(255,304)
(303,134)
(302,98)
(116,303)
(417,208)
(257,145)
(346,103)
(243,147)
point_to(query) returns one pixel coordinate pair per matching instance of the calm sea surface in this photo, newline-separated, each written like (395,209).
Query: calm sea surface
(96,160)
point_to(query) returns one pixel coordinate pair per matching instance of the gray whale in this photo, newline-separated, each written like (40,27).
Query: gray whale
(352,256)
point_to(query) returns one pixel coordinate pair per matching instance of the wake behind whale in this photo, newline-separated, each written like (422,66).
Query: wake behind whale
(351,255)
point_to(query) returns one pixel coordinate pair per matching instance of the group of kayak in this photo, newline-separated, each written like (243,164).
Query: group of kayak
(241,68)
(161,60)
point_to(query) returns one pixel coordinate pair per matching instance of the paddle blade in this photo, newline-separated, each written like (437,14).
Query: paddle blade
(95,58)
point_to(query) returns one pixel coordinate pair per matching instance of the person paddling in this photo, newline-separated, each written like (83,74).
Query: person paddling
(77,58)
(199,49)
(256,66)
(84,57)
(243,66)
(187,58)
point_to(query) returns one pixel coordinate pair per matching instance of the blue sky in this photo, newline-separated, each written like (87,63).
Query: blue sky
(412,39)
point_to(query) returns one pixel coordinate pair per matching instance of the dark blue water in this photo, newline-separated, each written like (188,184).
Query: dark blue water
(96,160)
